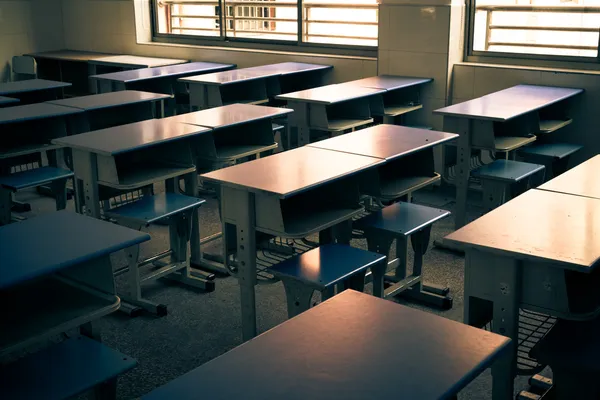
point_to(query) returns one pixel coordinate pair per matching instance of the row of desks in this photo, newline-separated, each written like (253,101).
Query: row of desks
(131,156)
(77,66)
(516,111)
(66,268)
(310,189)
(30,128)
(538,252)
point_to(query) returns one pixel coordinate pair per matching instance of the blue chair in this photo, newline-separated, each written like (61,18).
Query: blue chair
(322,269)
(12,183)
(400,222)
(503,180)
(554,156)
(151,209)
(65,370)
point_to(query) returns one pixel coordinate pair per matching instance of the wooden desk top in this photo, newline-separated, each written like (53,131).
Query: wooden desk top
(389,82)
(29,112)
(330,94)
(111,99)
(291,172)
(30,85)
(8,100)
(45,244)
(387,142)
(128,61)
(229,77)
(170,71)
(539,226)
(509,103)
(582,180)
(68,55)
(126,138)
(353,346)
(230,115)
(289,68)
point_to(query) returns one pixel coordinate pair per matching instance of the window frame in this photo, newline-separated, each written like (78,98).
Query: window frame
(294,46)
(479,56)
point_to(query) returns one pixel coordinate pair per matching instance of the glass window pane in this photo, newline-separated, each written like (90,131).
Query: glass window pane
(348,22)
(263,19)
(188,17)
(550,27)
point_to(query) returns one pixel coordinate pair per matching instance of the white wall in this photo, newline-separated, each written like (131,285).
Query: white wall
(26,26)
(414,40)
(108,26)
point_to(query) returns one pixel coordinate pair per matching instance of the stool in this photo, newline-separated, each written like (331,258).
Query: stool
(503,180)
(65,370)
(399,222)
(12,183)
(149,210)
(571,349)
(554,156)
(321,269)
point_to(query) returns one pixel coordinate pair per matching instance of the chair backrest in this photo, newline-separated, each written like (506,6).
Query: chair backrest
(24,67)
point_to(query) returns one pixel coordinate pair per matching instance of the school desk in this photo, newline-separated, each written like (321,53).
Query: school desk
(581,180)
(33,90)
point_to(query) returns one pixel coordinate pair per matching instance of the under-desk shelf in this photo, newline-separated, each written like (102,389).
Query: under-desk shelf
(395,110)
(343,124)
(47,307)
(237,152)
(393,189)
(510,143)
(552,125)
(143,174)
(27,149)
(307,223)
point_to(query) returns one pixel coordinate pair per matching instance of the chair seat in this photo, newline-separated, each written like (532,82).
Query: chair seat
(326,265)
(277,127)
(550,150)
(62,370)
(401,219)
(507,170)
(33,178)
(571,345)
(150,209)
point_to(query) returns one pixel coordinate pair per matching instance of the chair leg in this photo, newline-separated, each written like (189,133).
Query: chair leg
(493,194)
(378,272)
(380,245)
(429,294)
(59,190)
(5,206)
(179,238)
(356,282)
(298,297)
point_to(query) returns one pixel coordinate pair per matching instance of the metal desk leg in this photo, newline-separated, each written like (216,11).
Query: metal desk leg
(499,281)
(191,189)
(302,124)
(502,379)
(86,169)
(198,96)
(240,208)
(462,171)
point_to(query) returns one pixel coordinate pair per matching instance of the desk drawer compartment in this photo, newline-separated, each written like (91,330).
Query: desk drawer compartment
(143,167)
(309,212)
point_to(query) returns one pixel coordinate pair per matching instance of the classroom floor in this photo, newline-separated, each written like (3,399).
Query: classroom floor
(201,326)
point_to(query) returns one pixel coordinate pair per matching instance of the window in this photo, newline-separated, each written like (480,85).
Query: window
(337,23)
(549,29)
